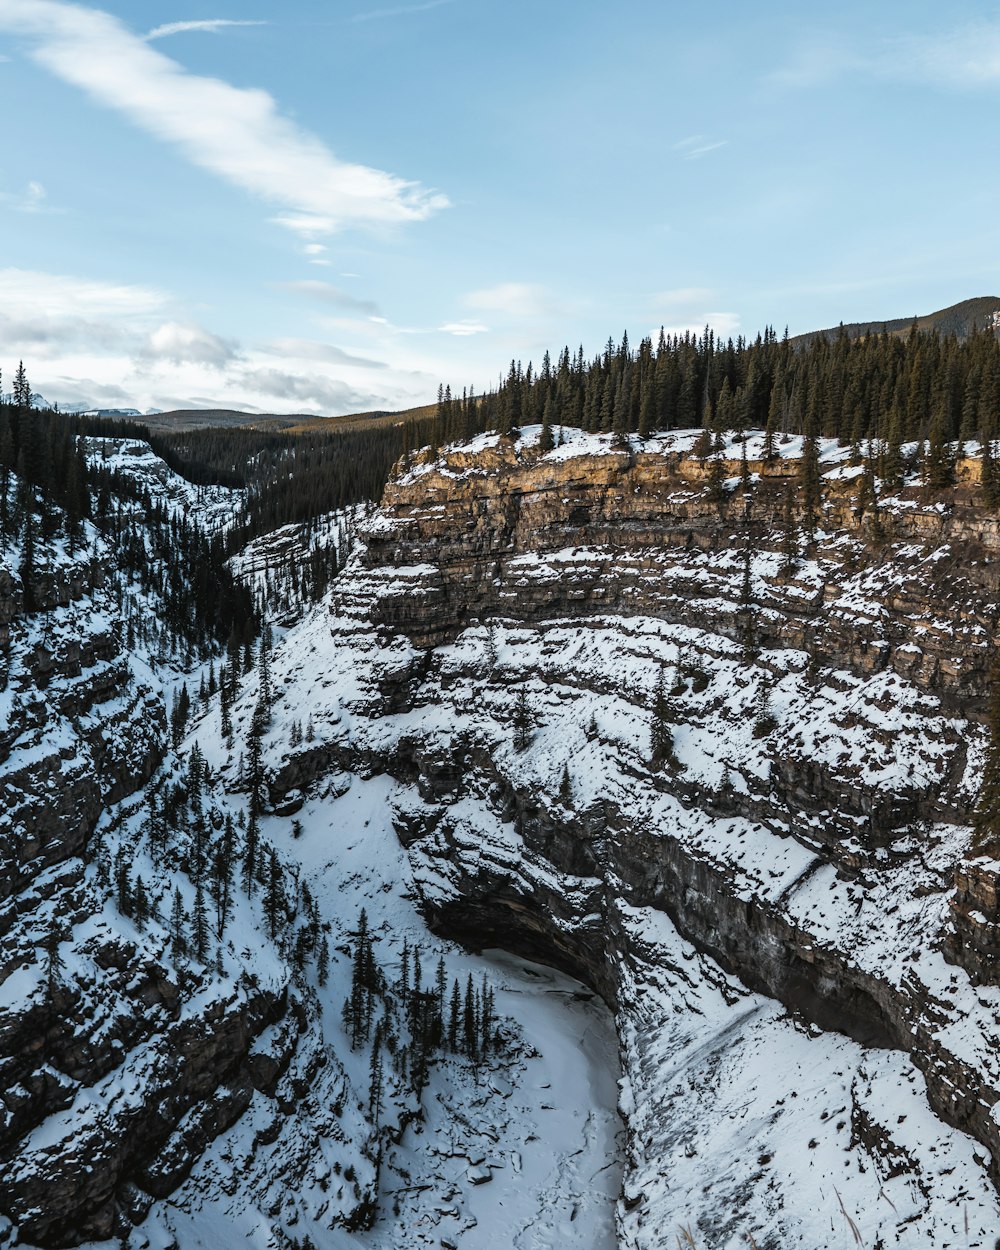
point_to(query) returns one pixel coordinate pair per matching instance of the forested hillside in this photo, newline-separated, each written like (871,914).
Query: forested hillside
(875,393)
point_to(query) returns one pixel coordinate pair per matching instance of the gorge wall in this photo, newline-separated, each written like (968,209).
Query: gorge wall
(497,645)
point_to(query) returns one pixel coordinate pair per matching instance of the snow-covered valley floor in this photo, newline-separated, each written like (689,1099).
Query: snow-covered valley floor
(555,1160)
(525,1152)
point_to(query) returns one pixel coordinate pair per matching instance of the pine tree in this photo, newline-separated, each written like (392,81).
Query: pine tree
(255,751)
(469,1020)
(748,627)
(441,983)
(990,477)
(178,927)
(54,966)
(717,480)
(522,720)
(454,1015)
(789,539)
(250,854)
(375,1079)
(661,737)
(546,441)
(810,483)
(27,566)
(200,929)
(22,389)
(986,820)
(565,787)
(939,464)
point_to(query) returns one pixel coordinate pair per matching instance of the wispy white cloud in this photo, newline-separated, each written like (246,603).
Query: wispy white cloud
(683,309)
(963,58)
(306,392)
(115,344)
(725,325)
(324,353)
(464,329)
(32,293)
(515,299)
(185,343)
(695,146)
(327,293)
(210,25)
(403,10)
(316,253)
(236,133)
(33,199)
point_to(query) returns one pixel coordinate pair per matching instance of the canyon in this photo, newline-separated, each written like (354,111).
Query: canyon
(785,913)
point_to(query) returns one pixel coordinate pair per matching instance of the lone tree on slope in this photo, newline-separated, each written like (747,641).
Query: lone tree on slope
(986,821)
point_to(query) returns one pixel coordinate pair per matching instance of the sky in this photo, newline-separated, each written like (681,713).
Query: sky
(335,206)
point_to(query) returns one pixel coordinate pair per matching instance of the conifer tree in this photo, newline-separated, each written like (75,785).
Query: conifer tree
(810,483)
(717,480)
(789,540)
(54,965)
(200,930)
(522,720)
(748,627)
(546,441)
(986,820)
(375,1079)
(565,787)
(251,851)
(454,1015)
(990,476)
(178,927)
(939,464)
(469,1020)
(274,896)
(661,737)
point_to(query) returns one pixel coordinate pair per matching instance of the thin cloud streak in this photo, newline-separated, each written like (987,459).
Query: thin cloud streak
(33,199)
(236,133)
(210,25)
(377,15)
(695,146)
(694,153)
(964,58)
(515,299)
(327,293)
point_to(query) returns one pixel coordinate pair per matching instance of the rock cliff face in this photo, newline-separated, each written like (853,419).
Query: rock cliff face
(105,1049)
(496,645)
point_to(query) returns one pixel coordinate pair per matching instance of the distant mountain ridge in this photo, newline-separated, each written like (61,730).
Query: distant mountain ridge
(982,312)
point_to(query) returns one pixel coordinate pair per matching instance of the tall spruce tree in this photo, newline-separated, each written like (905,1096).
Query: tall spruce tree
(986,820)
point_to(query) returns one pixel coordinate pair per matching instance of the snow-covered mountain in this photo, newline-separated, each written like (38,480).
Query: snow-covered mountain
(621,711)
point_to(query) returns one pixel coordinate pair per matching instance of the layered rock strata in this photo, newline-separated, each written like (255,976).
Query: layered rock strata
(497,644)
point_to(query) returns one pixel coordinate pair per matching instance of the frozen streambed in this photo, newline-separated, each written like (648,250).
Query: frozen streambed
(556,1170)
(547,1133)
(523,1153)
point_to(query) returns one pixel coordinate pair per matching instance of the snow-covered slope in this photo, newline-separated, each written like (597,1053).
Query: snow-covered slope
(804,838)
(212,508)
(176,1066)
(459,735)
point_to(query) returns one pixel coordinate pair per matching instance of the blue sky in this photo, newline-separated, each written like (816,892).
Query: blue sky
(334,206)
